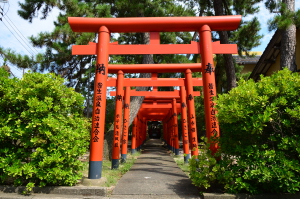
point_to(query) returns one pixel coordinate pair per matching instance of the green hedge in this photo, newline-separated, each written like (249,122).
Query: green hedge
(42,132)
(260,137)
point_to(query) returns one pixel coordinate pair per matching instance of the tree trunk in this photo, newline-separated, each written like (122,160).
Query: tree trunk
(229,66)
(135,102)
(288,42)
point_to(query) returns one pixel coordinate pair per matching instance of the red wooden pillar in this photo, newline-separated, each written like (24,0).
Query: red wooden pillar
(117,122)
(125,125)
(167,130)
(170,131)
(143,137)
(175,124)
(133,136)
(99,106)
(191,113)
(138,132)
(164,130)
(209,86)
(142,131)
(184,123)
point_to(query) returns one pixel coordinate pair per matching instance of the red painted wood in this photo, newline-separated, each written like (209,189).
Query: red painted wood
(154,24)
(140,49)
(111,82)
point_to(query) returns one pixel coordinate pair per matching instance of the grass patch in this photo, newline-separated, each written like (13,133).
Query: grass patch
(112,176)
(179,159)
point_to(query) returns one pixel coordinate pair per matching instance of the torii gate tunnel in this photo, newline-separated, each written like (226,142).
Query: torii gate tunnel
(154,25)
(160,111)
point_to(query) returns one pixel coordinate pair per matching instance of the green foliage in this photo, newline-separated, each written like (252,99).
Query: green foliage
(246,36)
(260,125)
(203,169)
(181,164)
(42,132)
(245,44)
(285,19)
(58,58)
(18,59)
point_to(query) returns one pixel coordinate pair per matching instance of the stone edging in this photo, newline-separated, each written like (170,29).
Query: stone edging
(248,196)
(105,191)
(61,190)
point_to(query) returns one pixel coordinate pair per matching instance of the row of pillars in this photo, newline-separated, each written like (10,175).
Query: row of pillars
(97,135)
(170,123)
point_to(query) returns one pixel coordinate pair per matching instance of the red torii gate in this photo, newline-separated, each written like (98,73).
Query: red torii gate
(160,112)
(153,81)
(152,24)
(165,105)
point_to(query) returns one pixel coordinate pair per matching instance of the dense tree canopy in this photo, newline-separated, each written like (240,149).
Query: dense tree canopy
(58,56)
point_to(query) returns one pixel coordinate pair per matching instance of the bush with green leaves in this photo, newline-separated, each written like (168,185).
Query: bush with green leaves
(260,136)
(42,131)
(204,169)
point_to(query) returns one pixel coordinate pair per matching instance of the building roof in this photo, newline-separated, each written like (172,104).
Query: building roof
(268,57)
(246,60)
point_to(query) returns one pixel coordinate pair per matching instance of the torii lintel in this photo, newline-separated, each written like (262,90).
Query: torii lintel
(154,24)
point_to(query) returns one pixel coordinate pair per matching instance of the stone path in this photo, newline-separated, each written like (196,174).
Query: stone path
(155,175)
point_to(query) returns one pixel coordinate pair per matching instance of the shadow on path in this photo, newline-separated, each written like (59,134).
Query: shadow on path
(155,175)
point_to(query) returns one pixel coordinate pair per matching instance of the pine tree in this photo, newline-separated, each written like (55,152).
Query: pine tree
(246,36)
(286,22)
(58,56)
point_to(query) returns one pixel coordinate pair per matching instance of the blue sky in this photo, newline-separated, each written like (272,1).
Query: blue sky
(16,26)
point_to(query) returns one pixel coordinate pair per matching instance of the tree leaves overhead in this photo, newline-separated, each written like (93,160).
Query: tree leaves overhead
(23,61)
(245,7)
(285,19)
(30,9)
(58,58)
(248,41)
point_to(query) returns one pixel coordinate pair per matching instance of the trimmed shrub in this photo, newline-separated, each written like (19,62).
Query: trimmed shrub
(42,131)
(260,140)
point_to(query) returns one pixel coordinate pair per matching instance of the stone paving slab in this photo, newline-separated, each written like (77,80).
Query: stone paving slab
(155,173)
(152,197)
